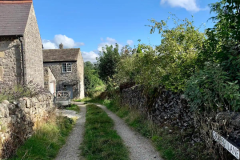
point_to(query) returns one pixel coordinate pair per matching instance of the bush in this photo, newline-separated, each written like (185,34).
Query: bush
(210,90)
(91,80)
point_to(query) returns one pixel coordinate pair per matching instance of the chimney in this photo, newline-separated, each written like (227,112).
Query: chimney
(61,46)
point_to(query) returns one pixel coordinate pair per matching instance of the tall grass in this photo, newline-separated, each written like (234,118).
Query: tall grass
(48,138)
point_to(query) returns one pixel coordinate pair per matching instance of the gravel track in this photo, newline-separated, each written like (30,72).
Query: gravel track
(140,148)
(70,151)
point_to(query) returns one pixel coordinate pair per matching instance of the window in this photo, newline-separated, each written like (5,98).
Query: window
(66,67)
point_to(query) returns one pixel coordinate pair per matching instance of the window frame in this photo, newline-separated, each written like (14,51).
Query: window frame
(66,68)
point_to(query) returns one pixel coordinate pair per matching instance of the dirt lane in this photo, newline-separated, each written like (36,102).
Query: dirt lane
(70,151)
(140,148)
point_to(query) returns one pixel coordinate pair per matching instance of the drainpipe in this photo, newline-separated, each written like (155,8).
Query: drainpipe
(23,64)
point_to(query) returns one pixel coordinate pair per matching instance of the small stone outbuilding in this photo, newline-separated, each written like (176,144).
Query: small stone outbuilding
(21,58)
(67,66)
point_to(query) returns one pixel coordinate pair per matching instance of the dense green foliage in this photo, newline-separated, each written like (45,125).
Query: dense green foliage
(46,141)
(221,48)
(170,64)
(222,45)
(107,62)
(101,141)
(91,79)
(210,90)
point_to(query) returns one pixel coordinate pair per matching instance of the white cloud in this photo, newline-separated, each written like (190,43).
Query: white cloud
(58,39)
(89,56)
(130,42)
(109,41)
(189,5)
(49,45)
(66,41)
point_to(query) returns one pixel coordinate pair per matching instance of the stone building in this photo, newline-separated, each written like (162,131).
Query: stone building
(67,66)
(21,58)
(49,81)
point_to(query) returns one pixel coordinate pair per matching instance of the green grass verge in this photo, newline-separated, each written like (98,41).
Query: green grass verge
(83,100)
(170,145)
(74,107)
(46,141)
(101,141)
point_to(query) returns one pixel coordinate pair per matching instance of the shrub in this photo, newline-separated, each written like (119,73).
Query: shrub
(210,90)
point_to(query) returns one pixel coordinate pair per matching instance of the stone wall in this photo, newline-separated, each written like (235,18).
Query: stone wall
(68,78)
(17,120)
(33,51)
(10,62)
(226,124)
(163,107)
(166,108)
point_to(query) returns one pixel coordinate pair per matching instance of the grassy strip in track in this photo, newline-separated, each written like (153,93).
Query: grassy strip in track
(101,141)
(46,141)
(83,100)
(74,107)
(170,145)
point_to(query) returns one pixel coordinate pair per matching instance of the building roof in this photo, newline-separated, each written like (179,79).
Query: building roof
(60,55)
(13,16)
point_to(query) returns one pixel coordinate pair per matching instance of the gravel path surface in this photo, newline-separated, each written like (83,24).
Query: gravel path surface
(70,151)
(140,148)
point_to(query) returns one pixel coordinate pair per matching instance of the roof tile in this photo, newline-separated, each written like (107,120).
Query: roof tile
(60,55)
(13,17)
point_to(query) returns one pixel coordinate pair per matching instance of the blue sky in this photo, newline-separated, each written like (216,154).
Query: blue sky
(92,24)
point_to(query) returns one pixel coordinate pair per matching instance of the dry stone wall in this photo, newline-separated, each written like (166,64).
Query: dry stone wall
(166,108)
(17,120)
(163,107)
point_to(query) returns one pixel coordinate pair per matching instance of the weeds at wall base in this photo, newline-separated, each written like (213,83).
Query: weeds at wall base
(46,141)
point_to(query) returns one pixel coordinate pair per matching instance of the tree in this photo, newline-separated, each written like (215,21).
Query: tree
(178,51)
(91,77)
(222,45)
(107,62)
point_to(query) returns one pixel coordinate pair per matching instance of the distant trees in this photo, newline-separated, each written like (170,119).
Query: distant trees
(108,61)
(91,78)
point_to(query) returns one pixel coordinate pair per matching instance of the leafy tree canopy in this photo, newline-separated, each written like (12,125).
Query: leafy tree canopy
(107,62)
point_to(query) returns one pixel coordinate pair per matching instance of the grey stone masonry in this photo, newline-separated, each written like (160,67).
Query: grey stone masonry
(80,69)
(33,51)
(10,62)
(49,79)
(17,121)
(68,78)
(59,60)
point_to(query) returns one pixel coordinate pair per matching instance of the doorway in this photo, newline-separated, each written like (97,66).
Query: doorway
(70,89)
